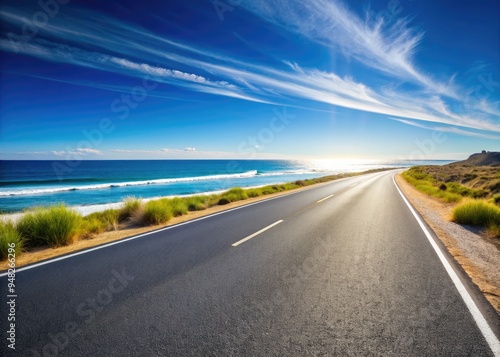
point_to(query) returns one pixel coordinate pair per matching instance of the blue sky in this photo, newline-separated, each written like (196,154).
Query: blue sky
(249,79)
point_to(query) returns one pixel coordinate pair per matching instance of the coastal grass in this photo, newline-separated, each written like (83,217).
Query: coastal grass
(449,192)
(130,208)
(54,226)
(178,206)
(156,212)
(473,208)
(8,236)
(92,226)
(196,203)
(480,213)
(233,195)
(108,219)
(59,225)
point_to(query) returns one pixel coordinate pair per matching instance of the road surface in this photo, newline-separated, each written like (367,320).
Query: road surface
(340,269)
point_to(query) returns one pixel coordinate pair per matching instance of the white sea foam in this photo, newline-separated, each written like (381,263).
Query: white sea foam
(36,191)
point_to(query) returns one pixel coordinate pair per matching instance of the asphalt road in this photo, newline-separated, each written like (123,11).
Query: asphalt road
(351,275)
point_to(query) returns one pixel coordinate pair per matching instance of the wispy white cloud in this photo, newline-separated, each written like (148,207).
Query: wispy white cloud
(63,153)
(138,151)
(378,45)
(450,129)
(158,151)
(159,72)
(386,49)
(62,53)
(89,151)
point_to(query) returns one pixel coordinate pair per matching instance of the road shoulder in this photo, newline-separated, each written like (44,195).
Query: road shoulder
(477,255)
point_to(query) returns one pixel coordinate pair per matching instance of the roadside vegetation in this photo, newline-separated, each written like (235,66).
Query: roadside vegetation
(480,213)
(9,235)
(59,225)
(54,226)
(473,190)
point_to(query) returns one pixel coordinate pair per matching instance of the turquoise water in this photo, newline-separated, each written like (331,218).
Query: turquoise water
(25,184)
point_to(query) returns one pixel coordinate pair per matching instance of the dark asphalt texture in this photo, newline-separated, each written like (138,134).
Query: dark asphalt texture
(353,275)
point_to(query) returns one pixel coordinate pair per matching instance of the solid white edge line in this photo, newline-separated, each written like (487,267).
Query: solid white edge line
(481,322)
(324,199)
(53,260)
(256,233)
(146,234)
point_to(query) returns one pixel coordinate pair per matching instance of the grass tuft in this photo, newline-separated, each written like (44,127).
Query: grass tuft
(9,235)
(496,199)
(196,203)
(254,192)
(480,213)
(233,195)
(91,226)
(157,212)
(178,206)
(131,206)
(54,226)
(108,218)
(477,212)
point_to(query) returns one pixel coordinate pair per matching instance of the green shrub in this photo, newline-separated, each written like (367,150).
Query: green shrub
(9,235)
(464,191)
(109,218)
(178,206)
(196,203)
(479,193)
(416,173)
(157,212)
(213,200)
(477,213)
(494,187)
(91,226)
(449,197)
(457,188)
(233,195)
(496,199)
(254,192)
(267,190)
(290,186)
(449,192)
(131,206)
(53,226)
(224,201)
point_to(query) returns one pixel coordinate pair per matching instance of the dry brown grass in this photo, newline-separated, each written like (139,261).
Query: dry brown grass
(476,177)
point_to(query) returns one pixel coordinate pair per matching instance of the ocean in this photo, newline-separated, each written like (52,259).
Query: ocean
(27,184)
